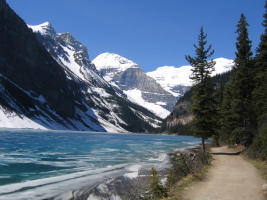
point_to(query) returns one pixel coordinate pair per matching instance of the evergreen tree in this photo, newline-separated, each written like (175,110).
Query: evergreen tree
(262,49)
(227,120)
(260,92)
(237,106)
(203,107)
(259,147)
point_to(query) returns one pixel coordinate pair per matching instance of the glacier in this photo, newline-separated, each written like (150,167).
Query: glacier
(170,77)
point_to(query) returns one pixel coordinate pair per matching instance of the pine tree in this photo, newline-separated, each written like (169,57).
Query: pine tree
(227,120)
(259,147)
(262,48)
(260,92)
(238,109)
(203,106)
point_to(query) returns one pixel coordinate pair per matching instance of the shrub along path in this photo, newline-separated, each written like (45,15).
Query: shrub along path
(230,177)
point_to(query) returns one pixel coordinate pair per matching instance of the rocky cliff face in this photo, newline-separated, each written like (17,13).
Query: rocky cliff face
(25,63)
(151,91)
(129,77)
(180,114)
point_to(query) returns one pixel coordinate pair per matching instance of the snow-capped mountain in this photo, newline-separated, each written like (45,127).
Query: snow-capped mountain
(140,88)
(69,52)
(108,104)
(177,80)
(45,29)
(47,81)
(110,64)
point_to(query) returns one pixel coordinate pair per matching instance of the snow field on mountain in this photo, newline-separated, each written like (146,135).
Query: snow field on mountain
(9,119)
(42,28)
(222,65)
(71,64)
(136,95)
(112,60)
(169,76)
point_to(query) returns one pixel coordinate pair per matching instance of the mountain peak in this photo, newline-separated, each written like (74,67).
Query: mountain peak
(45,28)
(114,61)
(46,24)
(223,65)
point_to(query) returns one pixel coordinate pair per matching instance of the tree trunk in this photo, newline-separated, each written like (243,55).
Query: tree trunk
(203,146)
(205,159)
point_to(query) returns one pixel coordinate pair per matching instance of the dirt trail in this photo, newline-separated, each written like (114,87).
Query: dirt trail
(229,178)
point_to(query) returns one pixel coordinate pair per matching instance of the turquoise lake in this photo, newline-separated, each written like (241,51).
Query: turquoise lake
(37,164)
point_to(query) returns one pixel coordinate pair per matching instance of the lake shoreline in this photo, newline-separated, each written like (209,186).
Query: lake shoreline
(124,186)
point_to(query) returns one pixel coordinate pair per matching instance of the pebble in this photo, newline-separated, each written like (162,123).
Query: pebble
(264,187)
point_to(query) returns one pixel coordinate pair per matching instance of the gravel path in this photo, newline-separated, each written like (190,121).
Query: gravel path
(229,178)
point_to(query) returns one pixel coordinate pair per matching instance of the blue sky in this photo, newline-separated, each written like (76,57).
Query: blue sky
(152,33)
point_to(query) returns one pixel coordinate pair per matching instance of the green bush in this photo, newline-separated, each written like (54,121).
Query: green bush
(155,190)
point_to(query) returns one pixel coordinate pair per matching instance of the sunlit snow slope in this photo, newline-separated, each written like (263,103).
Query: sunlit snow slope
(170,77)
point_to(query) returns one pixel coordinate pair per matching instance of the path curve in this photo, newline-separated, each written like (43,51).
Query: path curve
(230,177)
